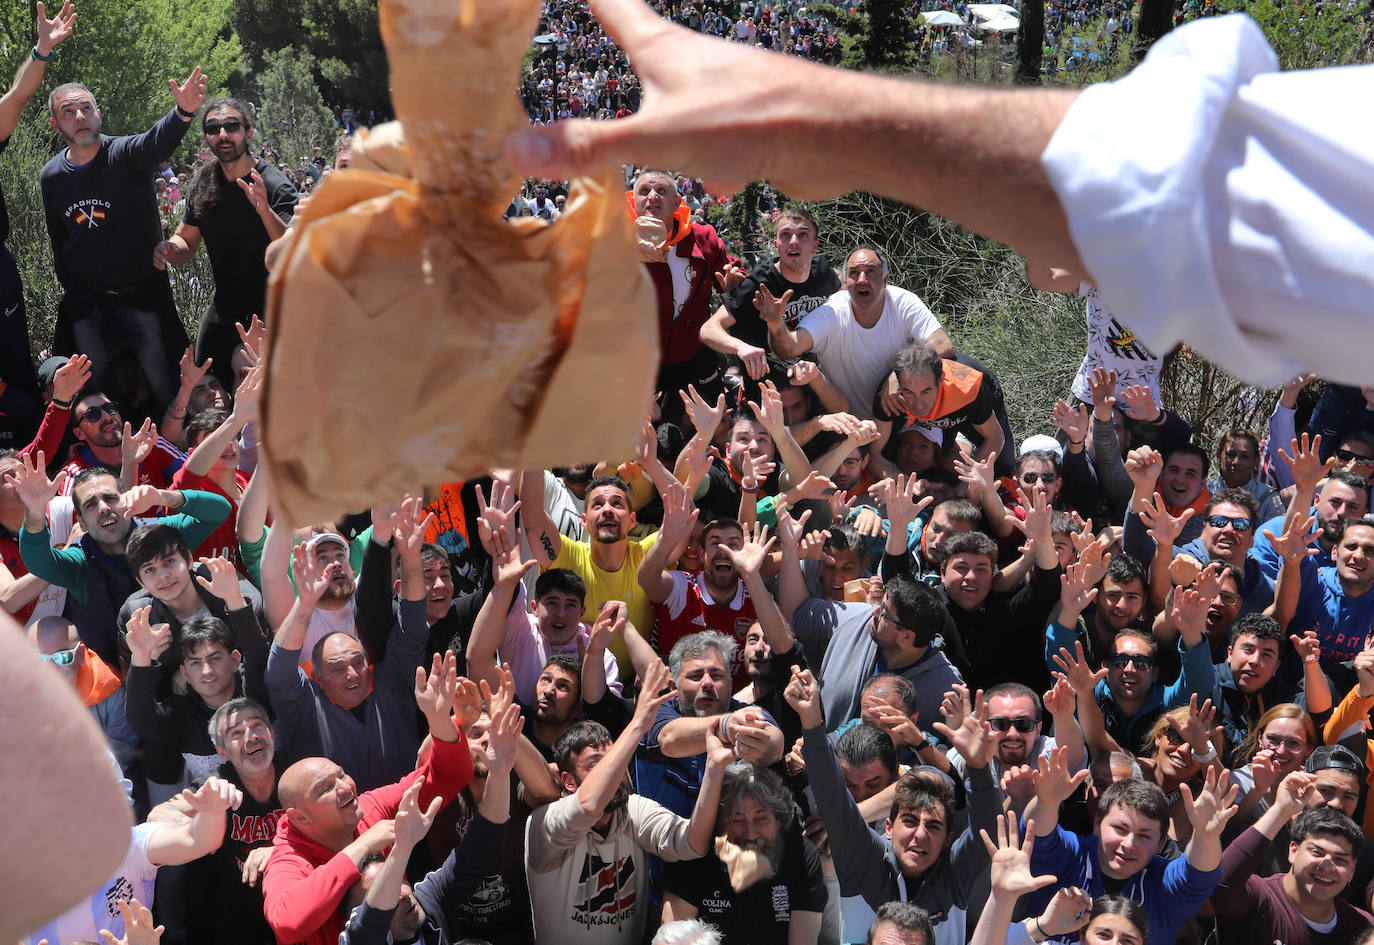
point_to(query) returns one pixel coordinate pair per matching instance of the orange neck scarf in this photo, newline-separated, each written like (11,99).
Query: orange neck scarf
(682,220)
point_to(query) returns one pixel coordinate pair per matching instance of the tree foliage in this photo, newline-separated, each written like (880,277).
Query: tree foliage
(884,38)
(291,113)
(1030,42)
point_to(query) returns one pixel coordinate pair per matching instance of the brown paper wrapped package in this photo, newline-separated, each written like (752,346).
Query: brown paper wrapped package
(744,867)
(415,336)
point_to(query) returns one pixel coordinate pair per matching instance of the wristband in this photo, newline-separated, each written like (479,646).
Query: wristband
(1040,929)
(185,114)
(1211,753)
(922,745)
(747,491)
(1078,442)
(720,730)
(64,404)
(38,56)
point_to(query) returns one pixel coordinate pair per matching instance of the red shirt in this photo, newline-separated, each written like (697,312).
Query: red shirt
(690,609)
(9,553)
(156,470)
(304,882)
(223,542)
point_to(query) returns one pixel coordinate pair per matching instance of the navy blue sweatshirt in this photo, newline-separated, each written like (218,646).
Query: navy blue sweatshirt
(102,216)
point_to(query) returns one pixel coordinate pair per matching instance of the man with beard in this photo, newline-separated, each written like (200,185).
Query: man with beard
(343,709)
(335,611)
(1342,498)
(1302,906)
(1337,603)
(238,204)
(716,599)
(608,561)
(94,572)
(100,444)
(329,828)
(587,851)
(557,702)
(672,755)
(223,902)
(103,220)
(1015,717)
(799,280)
(762,882)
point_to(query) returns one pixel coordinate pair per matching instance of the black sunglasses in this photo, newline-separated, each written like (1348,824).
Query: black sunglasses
(93,414)
(1031,478)
(1138,660)
(233,126)
(1346,456)
(1023,726)
(1241,525)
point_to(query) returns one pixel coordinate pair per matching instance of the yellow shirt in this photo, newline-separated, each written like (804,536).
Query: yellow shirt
(603,586)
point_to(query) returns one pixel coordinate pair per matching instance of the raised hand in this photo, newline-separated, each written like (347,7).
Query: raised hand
(1214,805)
(1364,668)
(753,553)
(653,695)
(705,418)
(503,738)
(496,525)
(804,696)
(812,547)
(1038,524)
(1074,667)
(1072,420)
(1144,465)
(138,919)
(972,735)
(1010,856)
(435,691)
(1264,771)
(1288,397)
(1060,699)
(411,823)
(814,486)
(311,575)
(1295,542)
(32,485)
(1189,613)
(1056,785)
(792,530)
(840,504)
(679,516)
(803,373)
(134,447)
(1139,403)
(215,796)
(53,31)
(869,524)
(72,376)
(147,641)
(467,700)
(253,337)
(191,93)
(771,309)
(754,359)
(1293,792)
(1102,384)
(768,409)
(191,373)
(1185,569)
(730,277)
(718,754)
(255,190)
(1067,912)
(411,527)
(1163,527)
(504,696)
(900,727)
(1197,729)
(223,582)
(248,395)
(977,474)
(1018,785)
(1306,464)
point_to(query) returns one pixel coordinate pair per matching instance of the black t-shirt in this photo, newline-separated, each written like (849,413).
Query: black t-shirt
(821,283)
(220,908)
(762,913)
(722,496)
(236,239)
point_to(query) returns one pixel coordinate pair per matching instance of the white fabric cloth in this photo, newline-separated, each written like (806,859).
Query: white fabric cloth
(1113,346)
(1216,200)
(856,359)
(133,880)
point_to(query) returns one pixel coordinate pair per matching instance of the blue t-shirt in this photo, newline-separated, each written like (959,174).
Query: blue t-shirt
(1341,622)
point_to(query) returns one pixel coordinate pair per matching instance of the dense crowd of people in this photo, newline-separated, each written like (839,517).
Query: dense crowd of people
(836,656)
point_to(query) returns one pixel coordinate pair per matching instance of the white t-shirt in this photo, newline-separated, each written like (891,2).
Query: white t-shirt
(856,359)
(133,880)
(1115,347)
(682,285)
(324,622)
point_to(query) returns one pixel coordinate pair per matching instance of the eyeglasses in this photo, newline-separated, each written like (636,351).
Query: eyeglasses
(233,126)
(1278,741)
(1023,726)
(93,414)
(1139,660)
(884,615)
(1221,521)
(61,657)
(1030,478)
(1346,456)
(1229,599)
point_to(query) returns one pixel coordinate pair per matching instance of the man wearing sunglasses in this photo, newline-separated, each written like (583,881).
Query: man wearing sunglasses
(95,683)
(237,204)
(100,429)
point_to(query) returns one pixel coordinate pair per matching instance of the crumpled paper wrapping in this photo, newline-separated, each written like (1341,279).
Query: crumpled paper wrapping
(745,867)
(415,337)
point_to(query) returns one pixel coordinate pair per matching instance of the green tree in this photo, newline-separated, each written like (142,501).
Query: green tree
(1313,36)
(291,113)
(884,38)
(1030,42)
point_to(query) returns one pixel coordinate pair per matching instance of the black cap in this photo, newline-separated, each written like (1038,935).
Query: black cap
(48,369)
(1334,756)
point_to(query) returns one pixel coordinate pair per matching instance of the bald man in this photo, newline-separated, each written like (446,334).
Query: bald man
(329,828)
(95,683)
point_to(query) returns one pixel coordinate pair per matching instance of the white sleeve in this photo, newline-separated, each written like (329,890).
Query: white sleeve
(916,315)
(819,324)
(1215,199)
(677,597)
